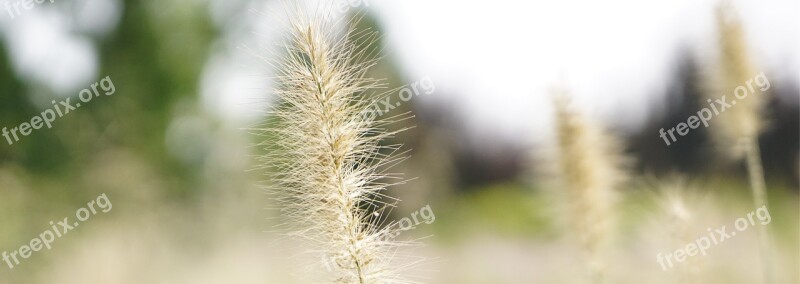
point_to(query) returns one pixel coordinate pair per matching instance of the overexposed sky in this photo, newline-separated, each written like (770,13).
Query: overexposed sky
(495,61)
(45,43)
(492,62)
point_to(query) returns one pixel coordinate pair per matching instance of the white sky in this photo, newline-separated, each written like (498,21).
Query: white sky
(44,44)
(492,61)
(496,60)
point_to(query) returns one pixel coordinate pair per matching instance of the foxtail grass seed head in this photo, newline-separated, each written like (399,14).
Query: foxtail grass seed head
(676,204)
(326,152)
(740,128)
(734,69)
(590,164)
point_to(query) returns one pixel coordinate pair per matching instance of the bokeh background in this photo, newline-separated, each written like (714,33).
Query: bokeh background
(172,151)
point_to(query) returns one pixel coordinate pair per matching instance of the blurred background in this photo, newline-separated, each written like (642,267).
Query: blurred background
(172,151)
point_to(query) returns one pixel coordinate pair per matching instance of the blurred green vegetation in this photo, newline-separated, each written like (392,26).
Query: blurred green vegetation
(156,57)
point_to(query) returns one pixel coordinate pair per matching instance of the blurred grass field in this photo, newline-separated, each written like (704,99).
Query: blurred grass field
(188,206)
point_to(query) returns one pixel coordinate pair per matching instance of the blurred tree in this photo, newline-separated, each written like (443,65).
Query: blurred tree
(155,58)
(43,154)
(690,153)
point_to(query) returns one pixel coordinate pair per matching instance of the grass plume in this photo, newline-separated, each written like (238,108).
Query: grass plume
(735,67)
(327,154)
(590,170)
(740,126)
(679,218)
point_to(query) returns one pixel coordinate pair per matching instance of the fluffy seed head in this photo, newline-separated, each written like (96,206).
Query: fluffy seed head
(326,154)
(590,170)
(733,69)
(678,222)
